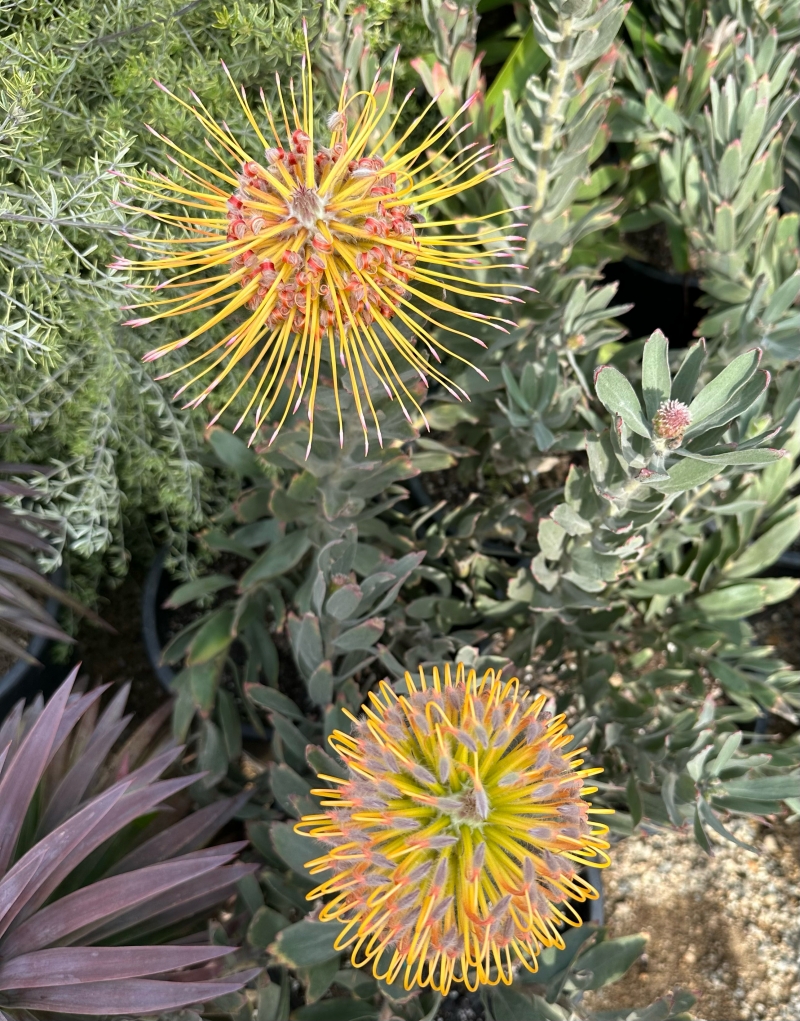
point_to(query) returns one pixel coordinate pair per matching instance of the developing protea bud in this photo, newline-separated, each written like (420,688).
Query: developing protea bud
(472,859)
(672,420)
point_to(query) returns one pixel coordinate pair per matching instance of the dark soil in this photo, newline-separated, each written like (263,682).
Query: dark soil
(651,246)
(7,659)
(120,657)
(460,1005)
(777,626)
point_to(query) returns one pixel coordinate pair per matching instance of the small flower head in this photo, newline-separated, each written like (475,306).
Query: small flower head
(672,420)
(315,252)
(458,838)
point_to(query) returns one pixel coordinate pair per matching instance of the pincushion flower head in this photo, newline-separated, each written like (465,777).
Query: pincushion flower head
(457,841)
(316,254)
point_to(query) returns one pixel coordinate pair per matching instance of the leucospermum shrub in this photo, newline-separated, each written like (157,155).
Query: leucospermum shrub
(458,838)
(324,248)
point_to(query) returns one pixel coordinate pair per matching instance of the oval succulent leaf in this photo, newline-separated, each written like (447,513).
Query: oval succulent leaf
(617,394)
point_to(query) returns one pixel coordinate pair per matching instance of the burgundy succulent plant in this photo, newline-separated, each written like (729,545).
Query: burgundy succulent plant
(19,541)
(91,880)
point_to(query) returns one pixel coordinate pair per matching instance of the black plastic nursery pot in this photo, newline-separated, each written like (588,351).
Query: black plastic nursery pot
(661,301)
(26,680)
(155,632)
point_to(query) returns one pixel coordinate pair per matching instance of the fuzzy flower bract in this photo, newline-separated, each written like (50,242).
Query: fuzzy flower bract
(458,838)
(671,420)
(323,249)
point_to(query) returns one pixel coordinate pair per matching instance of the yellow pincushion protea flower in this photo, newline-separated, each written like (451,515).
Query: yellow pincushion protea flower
(458,838)
(325,249)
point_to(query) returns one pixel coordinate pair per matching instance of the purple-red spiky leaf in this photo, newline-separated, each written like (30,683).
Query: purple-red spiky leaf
(21,776)
(183,902)
(190,833)
(70,791)
(54,850)
(129,807)
(130,996)
(97,904)
(75,965)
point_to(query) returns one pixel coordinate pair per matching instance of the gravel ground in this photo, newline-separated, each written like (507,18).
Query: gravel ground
(726,928)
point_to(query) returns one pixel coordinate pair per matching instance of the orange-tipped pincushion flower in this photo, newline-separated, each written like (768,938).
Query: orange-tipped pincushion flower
(324,247)
(458,839)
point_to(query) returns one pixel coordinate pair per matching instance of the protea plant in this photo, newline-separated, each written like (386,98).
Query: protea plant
(458,838)
(325,245)
(92,878)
